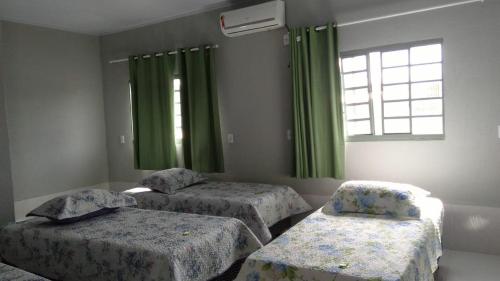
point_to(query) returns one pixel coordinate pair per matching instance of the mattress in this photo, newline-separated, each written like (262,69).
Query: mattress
(128,244)
(10,273)
(259,206)
(352,247)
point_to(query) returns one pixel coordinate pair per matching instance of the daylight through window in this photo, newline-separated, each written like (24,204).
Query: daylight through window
(394,92)
(177,109)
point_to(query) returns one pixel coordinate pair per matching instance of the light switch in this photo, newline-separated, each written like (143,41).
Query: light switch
(122,139)
(230,138)
(286,39)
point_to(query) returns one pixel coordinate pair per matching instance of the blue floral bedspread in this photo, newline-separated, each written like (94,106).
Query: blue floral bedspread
(129,244)
(9,273)
(259,206)
(352,247)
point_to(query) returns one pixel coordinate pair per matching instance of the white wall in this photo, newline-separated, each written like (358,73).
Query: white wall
(464,167)
(6,198)
(54,110)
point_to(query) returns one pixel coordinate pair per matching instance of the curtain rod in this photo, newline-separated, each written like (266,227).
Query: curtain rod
(318,28)
(163,53)
(403,13)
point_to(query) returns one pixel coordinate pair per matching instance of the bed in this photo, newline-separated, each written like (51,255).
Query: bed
(10,273)
(352,247)
(259,206)
(128,244)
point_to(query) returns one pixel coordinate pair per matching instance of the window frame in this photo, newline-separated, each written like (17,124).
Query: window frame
(394,136)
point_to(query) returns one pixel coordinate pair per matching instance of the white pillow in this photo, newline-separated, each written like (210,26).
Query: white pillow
(379,198)
(82,205)
(168,181)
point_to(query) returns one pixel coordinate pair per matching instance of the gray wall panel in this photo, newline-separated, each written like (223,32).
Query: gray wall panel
(6,198)
(55,112)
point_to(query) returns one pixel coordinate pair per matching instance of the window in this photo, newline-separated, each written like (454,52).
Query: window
(177,110)
(394,92)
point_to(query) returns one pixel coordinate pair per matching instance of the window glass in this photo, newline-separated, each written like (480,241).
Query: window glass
(177,109)
(427,107)
(354,64)
(358,111)
(356,96)
(358,128)
(427,90)
(396,109)
(426,72)
(396,92)
(396,126)
(395,58)
(395,75)
(396,89)
(427,125)
(358,79)
(425,54)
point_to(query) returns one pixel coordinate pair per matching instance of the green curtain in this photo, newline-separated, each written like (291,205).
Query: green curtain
(152,88)
(200,113)
(317,103)
(151,81)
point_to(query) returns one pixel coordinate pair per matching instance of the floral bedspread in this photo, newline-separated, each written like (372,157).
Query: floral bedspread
(259,206)
(353,247)
(129,244)
(10,273)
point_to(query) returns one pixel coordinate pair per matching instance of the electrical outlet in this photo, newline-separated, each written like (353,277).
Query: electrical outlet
(289,134)
(286,39)
(122,139)
(230,138)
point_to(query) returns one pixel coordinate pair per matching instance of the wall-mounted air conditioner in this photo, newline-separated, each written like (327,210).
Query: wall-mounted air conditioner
(262,17)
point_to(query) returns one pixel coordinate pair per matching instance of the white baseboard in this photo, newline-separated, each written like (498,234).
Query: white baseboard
(23,207)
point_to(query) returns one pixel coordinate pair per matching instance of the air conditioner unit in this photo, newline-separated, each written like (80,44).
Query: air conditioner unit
(262,17)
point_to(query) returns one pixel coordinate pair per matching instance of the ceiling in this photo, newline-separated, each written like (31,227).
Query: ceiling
(99,17)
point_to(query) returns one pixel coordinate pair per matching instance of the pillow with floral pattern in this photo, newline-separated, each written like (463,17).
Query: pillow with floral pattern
(171,180)
(378,198)
(82,205)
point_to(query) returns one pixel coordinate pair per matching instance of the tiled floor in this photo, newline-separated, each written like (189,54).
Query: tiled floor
(465,266)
